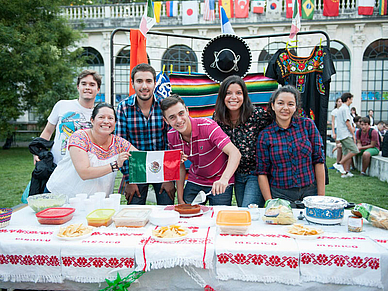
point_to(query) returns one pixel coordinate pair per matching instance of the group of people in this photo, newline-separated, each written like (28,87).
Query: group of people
(256,154)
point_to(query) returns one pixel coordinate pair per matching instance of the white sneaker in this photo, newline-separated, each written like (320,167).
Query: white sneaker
(340,168)
(347,175)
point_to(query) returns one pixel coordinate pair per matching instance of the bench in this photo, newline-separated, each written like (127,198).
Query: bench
(378,165)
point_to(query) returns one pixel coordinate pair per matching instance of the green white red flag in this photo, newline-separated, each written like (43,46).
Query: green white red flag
(148,20)
(295,26)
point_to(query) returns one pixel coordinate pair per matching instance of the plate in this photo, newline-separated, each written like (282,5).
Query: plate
(73,238)
(204,209)
(171,239)
(304,237)
(192,215)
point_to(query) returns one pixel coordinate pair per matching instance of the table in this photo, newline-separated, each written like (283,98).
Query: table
(83,265)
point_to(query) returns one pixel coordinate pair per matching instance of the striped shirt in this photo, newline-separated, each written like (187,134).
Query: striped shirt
(146,134)
(287,156)
(208,161)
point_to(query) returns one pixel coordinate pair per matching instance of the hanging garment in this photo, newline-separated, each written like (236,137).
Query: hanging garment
(311,76)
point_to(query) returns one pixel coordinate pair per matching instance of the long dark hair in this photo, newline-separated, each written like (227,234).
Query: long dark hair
(97,108)
(336,100)
(275,94)
(222,112)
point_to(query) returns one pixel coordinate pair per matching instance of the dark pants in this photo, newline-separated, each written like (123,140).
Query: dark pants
(162,199)
(191,190)
(294,194)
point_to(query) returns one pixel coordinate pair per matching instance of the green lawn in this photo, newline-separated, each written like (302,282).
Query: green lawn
(17,165)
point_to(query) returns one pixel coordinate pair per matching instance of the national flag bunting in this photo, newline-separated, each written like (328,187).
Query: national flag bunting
(308,9)
(154,166)
(209,12)
(274,8)
(148,20)
(258,7)
(157,10)
(365,7)
(172,8)
(228,7)
(226,27)
(383,7)
(241,9)
(295,26)
(330,8)
(189,12)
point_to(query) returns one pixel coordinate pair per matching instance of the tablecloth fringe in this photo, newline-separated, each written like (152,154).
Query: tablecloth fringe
(166,264)
(342,281)
(31,278)
(84,279)
(263,279)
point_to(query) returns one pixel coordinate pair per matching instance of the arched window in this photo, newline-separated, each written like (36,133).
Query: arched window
(268,51)
(95,62)
(180,57)
(375,80)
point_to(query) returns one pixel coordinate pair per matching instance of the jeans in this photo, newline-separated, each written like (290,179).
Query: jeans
(162,199)
(191,190)
(247,190)
(294,194)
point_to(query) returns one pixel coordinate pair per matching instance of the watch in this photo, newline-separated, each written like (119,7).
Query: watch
(114,166)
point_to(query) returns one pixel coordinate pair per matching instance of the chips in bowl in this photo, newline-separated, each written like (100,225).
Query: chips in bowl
(74,231)
(171,231)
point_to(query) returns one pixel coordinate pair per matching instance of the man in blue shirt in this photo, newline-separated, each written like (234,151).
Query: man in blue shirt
(140,121)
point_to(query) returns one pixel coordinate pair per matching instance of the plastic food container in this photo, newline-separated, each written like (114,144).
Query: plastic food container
(41,202)
(164,217)
(132,217)
(233,221)
(5,216)
(100,217)
(324,210)
(187,209)
(55,215)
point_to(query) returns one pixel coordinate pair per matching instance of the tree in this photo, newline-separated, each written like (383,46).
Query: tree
(38,59)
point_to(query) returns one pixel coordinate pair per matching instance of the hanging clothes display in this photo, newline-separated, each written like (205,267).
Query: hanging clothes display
(311,76)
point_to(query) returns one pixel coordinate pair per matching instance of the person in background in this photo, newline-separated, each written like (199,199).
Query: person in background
(338,103)
(368,143)
(213,157)
(242,122)
(94,157)
(371,118)
(382,129)
(290,158)
(353,112)
(140,121)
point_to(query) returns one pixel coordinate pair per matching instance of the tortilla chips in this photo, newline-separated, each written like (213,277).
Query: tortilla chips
(300,229)
(74,230)
(170,231)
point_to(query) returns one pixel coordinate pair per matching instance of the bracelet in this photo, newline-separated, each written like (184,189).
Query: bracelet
(114,166)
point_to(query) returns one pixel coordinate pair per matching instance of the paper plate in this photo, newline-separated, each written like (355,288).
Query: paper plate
(73,237)
(171,239)
(304,237)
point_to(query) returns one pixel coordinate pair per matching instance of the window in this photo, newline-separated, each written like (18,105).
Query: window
(181,57)
(95,62)
(268,51)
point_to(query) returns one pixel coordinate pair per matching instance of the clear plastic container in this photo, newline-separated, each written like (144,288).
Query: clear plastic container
(132,217)
(233,221)
(100,217)
(41,202)
(55,215)
(164,217)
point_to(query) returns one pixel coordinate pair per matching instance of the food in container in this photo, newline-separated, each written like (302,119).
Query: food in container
(278,211)
(376,215)
(132,217)
(55,215)
(233,221)
(100,217)
(41,202)
(5,216)
(326,210)
(186,209)
(355,223)
(163,217)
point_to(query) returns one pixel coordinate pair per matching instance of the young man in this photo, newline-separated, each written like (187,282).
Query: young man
(382,129)
(367,143)
(140,121)
(345,134)
(69,116)
(213,156)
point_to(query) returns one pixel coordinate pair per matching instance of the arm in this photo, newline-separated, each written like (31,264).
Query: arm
(320,178)
(351,129)
(46,134)
(180,183)
(264,187)
(234,157)
(333,127)
(371,145)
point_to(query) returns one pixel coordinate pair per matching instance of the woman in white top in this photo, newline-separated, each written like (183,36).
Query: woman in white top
(338,103)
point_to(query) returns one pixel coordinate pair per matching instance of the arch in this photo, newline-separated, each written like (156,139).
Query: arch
(95,61)
(268,51)
(180,57)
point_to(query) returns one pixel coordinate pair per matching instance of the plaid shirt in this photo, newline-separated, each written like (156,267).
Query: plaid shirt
(145,134)
(287,156)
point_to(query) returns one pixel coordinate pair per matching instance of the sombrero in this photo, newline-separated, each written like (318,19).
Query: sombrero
(226,55)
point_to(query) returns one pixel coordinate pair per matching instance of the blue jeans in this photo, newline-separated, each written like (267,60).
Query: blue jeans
(191,190)
(162,199)
(294,194)
(247,190)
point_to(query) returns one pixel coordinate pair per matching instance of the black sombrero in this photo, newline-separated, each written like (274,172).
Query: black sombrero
(226,55)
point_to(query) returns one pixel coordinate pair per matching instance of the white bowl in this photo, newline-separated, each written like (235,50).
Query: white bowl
(164,217)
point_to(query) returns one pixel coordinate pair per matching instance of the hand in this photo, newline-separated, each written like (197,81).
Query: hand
(36,159)
(219,186)
(169,187)
(180,201)
(183,157)
(122,157)
(334,136)
(130,190)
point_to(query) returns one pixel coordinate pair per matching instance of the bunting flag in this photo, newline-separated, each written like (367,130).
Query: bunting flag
(189,12)
(383,7)
(157,10)
(138,53)
(226,27)
(330,8)
(241,8)
(209,12)
(307,9)
(258,7)
(154,167)
(365,7)
(148,20)
(295,26)
(172,8)
(274,8)
(289,10)
(228,7)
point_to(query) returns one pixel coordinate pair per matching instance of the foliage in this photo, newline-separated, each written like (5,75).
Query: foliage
(38,58)
(122,283)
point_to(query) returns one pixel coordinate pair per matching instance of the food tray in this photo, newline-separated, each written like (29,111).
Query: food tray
(5,216)
(132,217)
(100,217)
(55,215)
(233,221)
(186,209)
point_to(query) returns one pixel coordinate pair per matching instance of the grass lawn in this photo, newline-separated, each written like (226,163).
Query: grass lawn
(17,166)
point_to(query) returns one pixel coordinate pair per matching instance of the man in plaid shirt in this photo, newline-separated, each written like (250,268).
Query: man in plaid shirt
(140,121)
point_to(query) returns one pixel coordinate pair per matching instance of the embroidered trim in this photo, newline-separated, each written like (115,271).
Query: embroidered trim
(97,262)
(272,261)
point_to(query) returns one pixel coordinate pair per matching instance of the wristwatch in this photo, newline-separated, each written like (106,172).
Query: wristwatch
(114,166)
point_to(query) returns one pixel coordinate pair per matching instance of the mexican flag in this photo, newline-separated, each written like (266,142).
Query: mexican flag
(154,166)
(148,20)
(295,26)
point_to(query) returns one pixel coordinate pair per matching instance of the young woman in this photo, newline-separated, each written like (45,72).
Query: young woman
(290,158)
(94,157)
(338,103)
(242,122)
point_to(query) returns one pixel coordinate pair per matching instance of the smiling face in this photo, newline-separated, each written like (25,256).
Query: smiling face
(144,85)
(178,117)
(234,97)
(284,107)
(88,88)
(104,121)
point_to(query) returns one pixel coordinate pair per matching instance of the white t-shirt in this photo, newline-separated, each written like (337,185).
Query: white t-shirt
(334,113)
(343,115)
(68,116)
